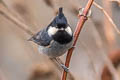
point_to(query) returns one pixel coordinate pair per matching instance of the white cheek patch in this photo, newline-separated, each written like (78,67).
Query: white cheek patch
(68,29)
(52,30)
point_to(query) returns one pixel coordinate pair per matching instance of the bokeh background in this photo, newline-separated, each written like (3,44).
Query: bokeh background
(19,58)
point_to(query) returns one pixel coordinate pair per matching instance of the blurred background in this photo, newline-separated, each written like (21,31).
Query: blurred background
(97,48)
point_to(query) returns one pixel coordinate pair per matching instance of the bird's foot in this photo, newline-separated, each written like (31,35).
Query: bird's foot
(61,64)
(65,68)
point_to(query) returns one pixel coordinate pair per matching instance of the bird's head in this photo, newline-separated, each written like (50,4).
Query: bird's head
(59,28)
(60,20)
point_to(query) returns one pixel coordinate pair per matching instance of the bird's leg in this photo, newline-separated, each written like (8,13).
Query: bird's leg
(61,64)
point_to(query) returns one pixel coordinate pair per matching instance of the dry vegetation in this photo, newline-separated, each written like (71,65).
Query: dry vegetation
(95,57)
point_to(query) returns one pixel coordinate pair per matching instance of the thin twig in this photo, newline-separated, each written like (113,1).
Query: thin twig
(76,35)
(108,17)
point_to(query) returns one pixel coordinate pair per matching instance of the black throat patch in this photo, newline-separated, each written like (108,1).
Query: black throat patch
(62,37)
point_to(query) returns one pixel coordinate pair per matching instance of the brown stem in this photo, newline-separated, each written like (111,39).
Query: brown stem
(76,34)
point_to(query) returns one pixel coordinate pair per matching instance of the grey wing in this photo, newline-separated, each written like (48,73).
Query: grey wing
(41,38)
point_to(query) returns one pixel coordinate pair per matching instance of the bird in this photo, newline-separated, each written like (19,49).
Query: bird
(55,39)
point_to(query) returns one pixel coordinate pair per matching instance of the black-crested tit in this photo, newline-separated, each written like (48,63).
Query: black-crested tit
(56,38)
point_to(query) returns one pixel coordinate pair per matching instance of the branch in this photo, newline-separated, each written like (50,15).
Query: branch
(76,35)
(108,17)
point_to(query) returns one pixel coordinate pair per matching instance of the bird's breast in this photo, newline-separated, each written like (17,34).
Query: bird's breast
(55,49)
(62,37)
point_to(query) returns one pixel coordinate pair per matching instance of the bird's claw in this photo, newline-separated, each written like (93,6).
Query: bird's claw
(65,68)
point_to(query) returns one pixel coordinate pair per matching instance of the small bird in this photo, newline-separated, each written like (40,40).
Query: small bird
(55,39)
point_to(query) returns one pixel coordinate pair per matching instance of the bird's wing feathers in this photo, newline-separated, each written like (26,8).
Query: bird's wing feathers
(42,38)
